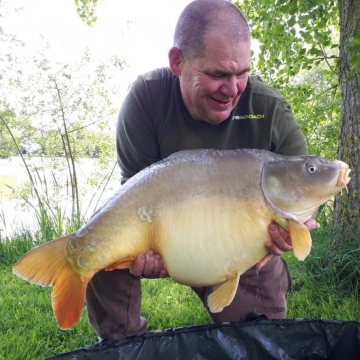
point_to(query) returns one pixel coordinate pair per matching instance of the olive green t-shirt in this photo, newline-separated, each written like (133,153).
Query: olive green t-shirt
(154,123)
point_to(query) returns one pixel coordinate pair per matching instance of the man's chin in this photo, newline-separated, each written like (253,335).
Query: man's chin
(217,118)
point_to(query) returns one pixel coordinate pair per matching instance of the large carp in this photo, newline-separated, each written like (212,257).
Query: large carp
(205,211)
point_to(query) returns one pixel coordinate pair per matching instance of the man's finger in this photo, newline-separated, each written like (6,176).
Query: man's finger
(285,235)
(164,273)
(264,261)
(273,248)
(137,268)
(149,263)
(159,265)
(311,224)
(281,239)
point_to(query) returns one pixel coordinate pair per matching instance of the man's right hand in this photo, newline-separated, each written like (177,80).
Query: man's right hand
(149,265)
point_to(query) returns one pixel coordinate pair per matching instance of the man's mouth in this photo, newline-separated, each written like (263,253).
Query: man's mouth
(220,101)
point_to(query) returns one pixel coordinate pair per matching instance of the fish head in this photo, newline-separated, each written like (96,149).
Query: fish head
(295,186)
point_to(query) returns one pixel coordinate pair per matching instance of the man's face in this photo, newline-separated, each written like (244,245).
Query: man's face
(211,86)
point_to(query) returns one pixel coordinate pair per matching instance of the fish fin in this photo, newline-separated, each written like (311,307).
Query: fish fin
(68,297)
(300,239)
(47,265)
(123,264)
(223,294)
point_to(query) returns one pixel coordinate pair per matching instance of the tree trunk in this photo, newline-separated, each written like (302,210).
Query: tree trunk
(347,207)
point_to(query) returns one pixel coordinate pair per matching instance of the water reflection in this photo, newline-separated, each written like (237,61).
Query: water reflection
(18,201)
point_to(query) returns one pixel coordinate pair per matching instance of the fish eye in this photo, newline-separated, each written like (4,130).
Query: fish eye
(311,168)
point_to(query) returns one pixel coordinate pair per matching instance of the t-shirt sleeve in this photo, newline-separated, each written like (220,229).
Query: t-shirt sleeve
(136,139)
(287,136)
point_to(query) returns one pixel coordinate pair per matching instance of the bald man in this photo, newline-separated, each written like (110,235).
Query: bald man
(205,99)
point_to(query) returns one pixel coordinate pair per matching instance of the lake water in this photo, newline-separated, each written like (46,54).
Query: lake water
(51,179)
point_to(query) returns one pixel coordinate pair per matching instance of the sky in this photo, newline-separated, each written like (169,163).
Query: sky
(139,32)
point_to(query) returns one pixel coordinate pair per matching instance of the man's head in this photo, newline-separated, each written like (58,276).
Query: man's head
(211,56)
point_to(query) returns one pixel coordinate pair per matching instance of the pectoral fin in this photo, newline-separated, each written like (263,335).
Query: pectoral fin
(122,264)
(223,294)
(300,238)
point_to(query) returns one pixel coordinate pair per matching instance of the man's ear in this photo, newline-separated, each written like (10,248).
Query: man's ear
(175,60)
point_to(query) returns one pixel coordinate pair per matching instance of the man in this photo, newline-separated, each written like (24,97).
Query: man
(204,100)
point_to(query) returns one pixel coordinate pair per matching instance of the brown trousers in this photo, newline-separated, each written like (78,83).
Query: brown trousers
(113,299)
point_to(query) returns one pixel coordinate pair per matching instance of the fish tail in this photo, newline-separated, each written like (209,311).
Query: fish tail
(47,265)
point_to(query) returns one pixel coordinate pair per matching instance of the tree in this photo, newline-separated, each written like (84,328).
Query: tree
(13,128)
(347,213)
(297,36)
(67,110)
(13,132)
(298,54)
(86,10)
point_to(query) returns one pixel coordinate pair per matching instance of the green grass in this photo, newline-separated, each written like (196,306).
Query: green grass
(27,323)
(29,330)
(326,285)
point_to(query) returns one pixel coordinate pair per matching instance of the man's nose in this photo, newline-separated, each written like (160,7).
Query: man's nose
(230,87)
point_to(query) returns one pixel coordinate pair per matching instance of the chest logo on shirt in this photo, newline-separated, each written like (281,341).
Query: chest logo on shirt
(251,116)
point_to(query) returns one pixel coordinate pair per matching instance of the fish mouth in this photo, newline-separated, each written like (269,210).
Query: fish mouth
(343,178)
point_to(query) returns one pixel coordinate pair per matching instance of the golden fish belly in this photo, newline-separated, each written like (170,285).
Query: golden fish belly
(206,240)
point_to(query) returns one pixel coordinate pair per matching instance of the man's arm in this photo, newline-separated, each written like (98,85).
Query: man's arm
(287,136)
(136,138)
(137,148)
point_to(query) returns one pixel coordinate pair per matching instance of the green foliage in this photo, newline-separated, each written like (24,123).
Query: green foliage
(48,196)
(298,56)
(12,249)
(354,50)
(337,271)
(293,35)
(73,108)
(86,10)
(316,108)
(65,112)
(58,111)
(68,106)
(13,131)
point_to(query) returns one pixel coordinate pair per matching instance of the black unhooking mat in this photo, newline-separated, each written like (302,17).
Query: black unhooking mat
(258,340)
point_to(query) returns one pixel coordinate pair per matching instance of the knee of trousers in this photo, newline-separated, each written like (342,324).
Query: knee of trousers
(263,292)
(113,300)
